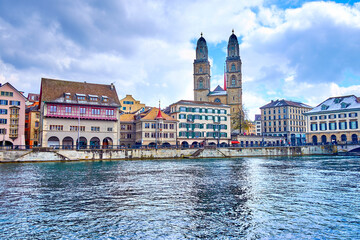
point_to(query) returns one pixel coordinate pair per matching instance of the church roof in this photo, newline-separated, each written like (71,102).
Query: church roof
(218,91)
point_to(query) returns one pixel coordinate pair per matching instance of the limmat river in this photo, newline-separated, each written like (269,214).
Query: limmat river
(239,198)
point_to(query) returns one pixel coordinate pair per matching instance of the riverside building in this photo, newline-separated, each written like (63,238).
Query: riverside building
(336,120)
(285,119)
(130,105)
(12,116)
(78,114)
(201,123)
(32,125)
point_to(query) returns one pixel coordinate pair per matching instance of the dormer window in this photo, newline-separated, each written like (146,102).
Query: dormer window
(344,105)
(324,107)
(81,97)
(105,99)
(338,100)
(67,96)
(93,98)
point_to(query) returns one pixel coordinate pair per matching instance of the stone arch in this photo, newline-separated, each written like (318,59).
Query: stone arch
(323,139)
(195,144)
(107,142)
(152,144)
(217,100)
(233,80)
(343,138)
(95,142)
(68,142)
(81,143)
(333,138)
(201,83)
(166,145)
(314,140)
(233,67)
(53,141)
(185,144)
(354,138)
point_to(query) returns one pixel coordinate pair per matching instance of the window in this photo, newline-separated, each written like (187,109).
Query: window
(233,68)
(128,127)
(314,127)
(182,116)
(68,109)
(3,121)
(147,125)
(95,111)
(153,125)
(93,99)
(332,116)
(171,135)
(53,109)
(3,93)
(352,114)
(128,136)
(109,112)
(3,111)
(95,129)
(200,70)
(104,98)
(36,124)
(201,84)
(56,127)
(109,129)
(233,81)
(342,125)
(2,131)
(217,100)
(332,126)
(147,135)
(171,126)
(323,126)
(82,110)
(313,118)
(166,126)
(182,109)
(353,125)
(3,102)
(342,115)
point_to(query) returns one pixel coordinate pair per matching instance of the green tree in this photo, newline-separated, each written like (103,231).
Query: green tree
(239,120)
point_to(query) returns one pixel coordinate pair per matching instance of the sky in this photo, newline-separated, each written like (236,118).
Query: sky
(303,51)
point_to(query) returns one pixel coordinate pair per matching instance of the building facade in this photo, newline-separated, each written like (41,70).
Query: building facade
(32,125)
(130,105)
(78,114)
(285,118)
(258,124)
(231,93)
(127,130)
(12,116)
(336,120)
(201,123)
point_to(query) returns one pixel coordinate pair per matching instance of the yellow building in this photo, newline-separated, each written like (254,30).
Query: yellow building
(130,105)
(32,124)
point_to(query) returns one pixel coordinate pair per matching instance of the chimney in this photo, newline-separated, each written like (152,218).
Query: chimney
(112,86)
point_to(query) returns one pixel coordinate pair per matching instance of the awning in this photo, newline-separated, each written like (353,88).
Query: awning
(235,142)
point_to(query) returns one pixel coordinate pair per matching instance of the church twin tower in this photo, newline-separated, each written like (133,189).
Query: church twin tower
(231,93)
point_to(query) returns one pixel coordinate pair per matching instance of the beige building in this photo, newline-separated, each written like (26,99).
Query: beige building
(127,130)
(130,105)
(201,123)
(78,114)
(336,120)
(285,118)
(231,93)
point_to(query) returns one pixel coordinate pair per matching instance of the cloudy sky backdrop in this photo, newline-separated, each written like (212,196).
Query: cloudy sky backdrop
(298,50)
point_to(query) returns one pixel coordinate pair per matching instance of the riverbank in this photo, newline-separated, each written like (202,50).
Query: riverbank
(41,155)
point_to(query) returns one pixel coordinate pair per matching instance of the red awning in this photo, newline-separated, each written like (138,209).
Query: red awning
(235,142)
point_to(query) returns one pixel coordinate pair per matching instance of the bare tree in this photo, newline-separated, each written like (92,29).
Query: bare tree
(239,120)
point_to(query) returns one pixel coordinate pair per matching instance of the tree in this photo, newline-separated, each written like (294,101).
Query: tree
(239,120)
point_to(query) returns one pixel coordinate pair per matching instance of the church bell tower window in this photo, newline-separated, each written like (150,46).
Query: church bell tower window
(233,81)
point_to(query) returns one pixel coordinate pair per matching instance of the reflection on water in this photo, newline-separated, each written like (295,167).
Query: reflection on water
(252,198)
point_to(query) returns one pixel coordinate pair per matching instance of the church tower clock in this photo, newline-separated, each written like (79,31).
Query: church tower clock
(234,76)
(201,71)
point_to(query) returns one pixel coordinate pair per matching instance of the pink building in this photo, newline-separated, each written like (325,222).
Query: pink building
(12,116)
(78,114)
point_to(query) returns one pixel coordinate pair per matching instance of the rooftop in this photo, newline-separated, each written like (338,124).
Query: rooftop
(284,103)
(340,103)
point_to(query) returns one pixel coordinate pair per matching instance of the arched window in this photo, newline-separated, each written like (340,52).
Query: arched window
(233,69)
(200,70)
(233,81)
(201,83)
(217,100)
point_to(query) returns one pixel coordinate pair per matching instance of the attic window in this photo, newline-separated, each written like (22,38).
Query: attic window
(338,100)
(324,107)
(67,96)
(105,99)
(81,97)
(344,105)
(93,98)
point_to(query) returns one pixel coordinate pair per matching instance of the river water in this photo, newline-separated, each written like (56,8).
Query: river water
(239,198)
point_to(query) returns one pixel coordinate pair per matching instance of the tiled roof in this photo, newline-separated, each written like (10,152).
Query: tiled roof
(127,117)
(341,103)
(153,113)
(284,103)
(205,104)
(53,90)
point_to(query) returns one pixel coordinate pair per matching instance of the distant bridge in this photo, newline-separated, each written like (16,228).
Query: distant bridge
(348,148)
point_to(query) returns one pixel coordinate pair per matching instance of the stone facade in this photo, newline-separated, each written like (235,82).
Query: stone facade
(336,120)
(285,119)
(231,93)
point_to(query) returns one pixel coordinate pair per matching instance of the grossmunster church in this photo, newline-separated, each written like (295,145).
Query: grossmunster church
(231,93)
